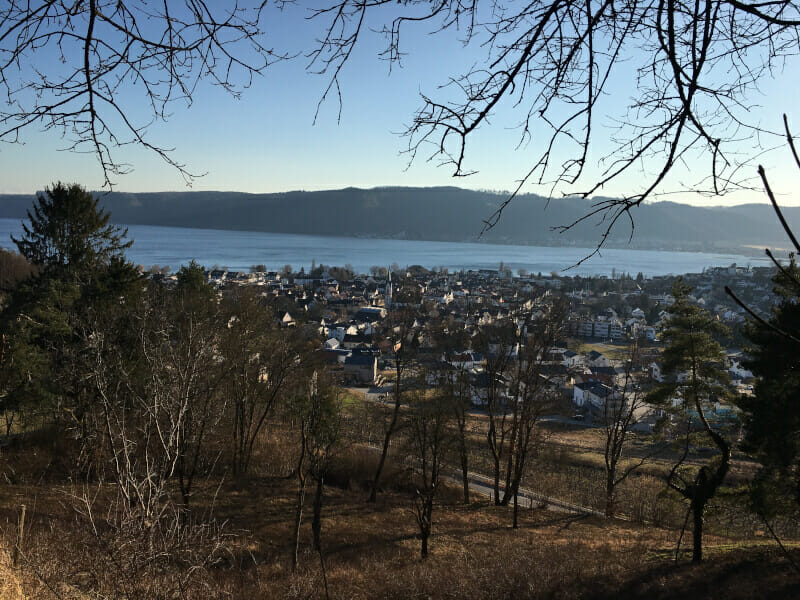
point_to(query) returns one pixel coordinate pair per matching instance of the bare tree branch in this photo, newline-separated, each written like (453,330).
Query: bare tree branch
(694,65)
(112,68)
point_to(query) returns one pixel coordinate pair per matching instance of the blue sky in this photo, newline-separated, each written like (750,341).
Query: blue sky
(267,141)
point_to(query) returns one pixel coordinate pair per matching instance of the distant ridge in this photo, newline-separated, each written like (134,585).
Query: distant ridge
(442,214)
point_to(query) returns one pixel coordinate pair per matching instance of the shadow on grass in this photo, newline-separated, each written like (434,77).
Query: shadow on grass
(733,575)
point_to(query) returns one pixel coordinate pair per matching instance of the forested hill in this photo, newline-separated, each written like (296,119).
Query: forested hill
(443,213)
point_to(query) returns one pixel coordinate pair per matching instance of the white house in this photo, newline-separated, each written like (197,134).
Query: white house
(572,359)
(590,393)
(596,359)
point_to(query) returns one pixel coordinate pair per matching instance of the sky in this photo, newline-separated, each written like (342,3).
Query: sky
(268,140)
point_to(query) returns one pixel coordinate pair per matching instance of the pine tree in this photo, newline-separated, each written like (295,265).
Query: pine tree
(772,414)
(68,233)
(693,362)
(83,284)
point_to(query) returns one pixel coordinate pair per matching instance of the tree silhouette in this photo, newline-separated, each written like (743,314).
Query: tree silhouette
(89,68)
(692,67)
(552,61)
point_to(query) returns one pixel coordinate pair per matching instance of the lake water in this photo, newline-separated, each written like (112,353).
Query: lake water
(238,250)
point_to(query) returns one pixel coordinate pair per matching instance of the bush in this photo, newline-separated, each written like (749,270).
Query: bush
(353,468)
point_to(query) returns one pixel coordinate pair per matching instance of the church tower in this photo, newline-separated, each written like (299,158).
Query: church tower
(387,300)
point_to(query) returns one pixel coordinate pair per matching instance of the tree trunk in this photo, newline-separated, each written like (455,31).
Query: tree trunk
(491,438)
(510,467)
(465,481)
(373,494)
(316,523)
(507,492)
(464,465)
(425,530)
(516,509)
(461,416)
(497,481)
(698,508)
(301,496)
(185,497)
(611,498)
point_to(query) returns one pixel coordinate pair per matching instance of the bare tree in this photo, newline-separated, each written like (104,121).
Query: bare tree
(184,357)
(453,379)
(318,412)
(694,67)
(552,61)
(453,382)
(403,332)
(621,411)
(325,434)
(460,391)
(429,426)
(263,363)
(533,394)
(157,399)
(140,438)
(498,343)
(120,60)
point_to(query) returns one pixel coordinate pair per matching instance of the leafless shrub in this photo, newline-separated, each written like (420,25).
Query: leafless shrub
(116,557)
(354,467)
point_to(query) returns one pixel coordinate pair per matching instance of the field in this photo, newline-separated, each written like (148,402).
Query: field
(613,351)
(372,550)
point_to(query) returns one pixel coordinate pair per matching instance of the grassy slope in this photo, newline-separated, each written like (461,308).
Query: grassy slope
(371,551)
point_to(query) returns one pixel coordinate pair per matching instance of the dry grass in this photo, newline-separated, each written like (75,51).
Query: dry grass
(370,550)
(10,580)
(613,351)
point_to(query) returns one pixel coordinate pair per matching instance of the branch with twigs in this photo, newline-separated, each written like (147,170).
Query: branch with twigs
(120,60)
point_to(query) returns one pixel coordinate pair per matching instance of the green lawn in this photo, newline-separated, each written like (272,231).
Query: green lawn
(612,351)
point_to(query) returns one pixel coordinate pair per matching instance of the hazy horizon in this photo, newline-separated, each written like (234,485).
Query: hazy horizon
(758,198)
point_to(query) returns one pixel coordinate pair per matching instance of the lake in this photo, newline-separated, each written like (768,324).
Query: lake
(238,250)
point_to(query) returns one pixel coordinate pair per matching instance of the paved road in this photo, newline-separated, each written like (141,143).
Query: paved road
(483,485)
(526,498)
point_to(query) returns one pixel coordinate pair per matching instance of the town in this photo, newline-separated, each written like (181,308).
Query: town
(346,313)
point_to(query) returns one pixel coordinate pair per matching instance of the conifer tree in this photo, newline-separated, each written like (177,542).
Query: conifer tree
(68,232)
(82,285)
(695,378)
(772,414)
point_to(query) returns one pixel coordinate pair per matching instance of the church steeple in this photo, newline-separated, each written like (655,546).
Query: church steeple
(387,301)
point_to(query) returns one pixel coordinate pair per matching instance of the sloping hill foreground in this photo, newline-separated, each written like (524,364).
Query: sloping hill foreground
(371,551)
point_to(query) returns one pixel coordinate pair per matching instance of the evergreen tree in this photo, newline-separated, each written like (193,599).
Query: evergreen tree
(772,414)
(83,285)
(692,363)
(68,233)
(192,282)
